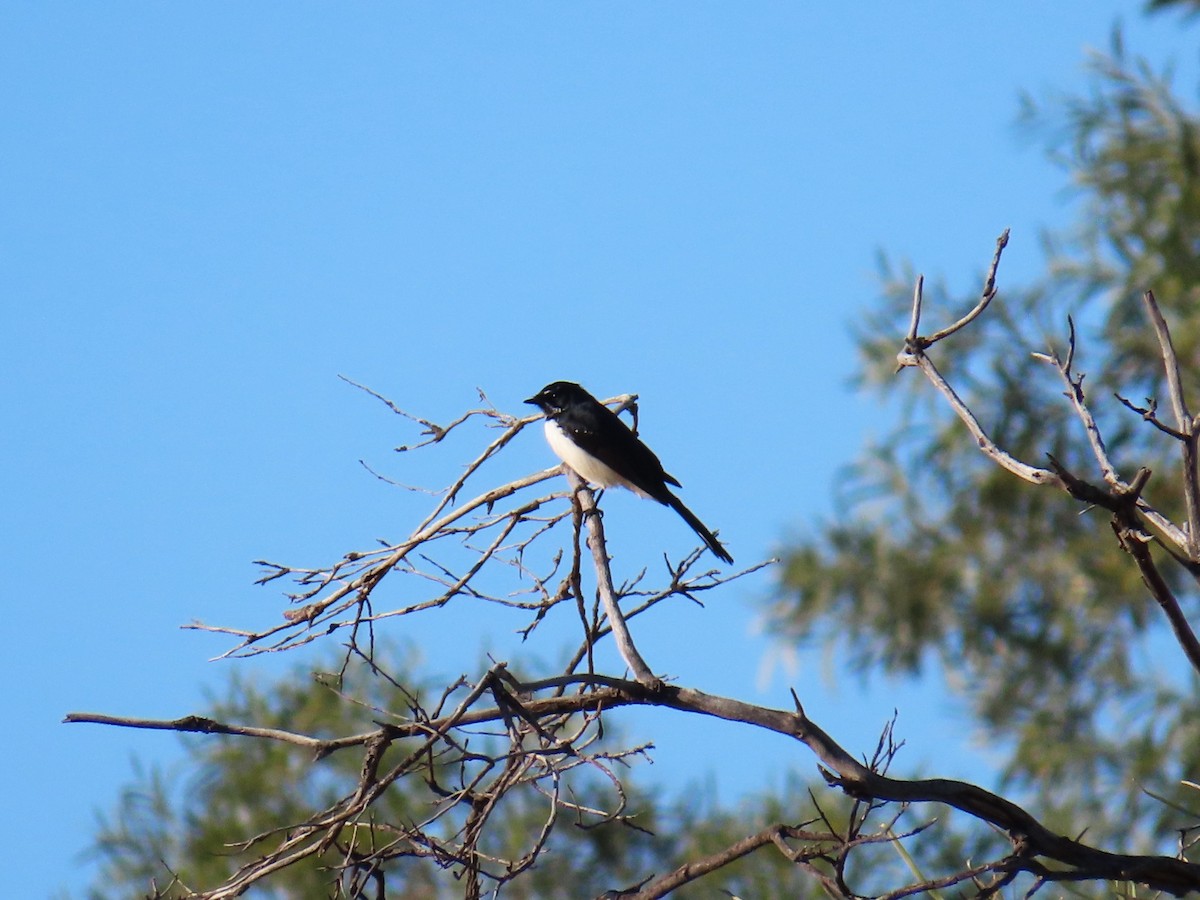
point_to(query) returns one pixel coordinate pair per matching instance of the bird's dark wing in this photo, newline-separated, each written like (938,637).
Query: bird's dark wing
(599,431)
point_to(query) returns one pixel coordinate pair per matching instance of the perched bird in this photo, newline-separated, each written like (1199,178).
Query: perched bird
(591,439)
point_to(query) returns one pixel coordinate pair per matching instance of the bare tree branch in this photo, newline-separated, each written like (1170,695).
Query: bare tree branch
(989,292)
(604,585)
(1033,840)
(1121,489)
(1183,422)
(1135,543)
(1123,499)
(914,354)
(773,835)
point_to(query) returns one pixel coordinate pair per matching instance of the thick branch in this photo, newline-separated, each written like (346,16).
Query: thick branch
(1137,547)
(1122,503)
(1157,872)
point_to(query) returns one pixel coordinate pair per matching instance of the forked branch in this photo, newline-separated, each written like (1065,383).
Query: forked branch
(1136,522)
(1033,844)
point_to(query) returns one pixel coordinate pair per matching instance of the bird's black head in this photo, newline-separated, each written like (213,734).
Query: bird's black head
(557,396)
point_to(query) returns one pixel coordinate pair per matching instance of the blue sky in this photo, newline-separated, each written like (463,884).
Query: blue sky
(209,212)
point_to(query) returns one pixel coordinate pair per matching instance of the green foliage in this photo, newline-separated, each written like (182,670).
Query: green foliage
(1019,599)
(239,787)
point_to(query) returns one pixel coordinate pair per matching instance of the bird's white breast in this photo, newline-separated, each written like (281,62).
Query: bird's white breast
(590,468)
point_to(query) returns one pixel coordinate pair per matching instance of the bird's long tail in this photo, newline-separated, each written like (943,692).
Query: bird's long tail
(697,526)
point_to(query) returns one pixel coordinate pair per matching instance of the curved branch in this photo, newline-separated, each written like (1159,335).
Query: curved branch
(913,355)
(916,357)
(1033,839)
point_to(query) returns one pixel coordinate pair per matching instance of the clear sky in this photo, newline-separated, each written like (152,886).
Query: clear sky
(209,211)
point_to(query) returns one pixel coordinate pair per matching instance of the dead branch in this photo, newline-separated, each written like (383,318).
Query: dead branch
(1188,428)
(1131,513)
(914,355)
(1032,840)
(604,586)
(776,835)
(1120,489)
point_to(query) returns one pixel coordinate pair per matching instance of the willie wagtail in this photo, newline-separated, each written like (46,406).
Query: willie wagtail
(591,439)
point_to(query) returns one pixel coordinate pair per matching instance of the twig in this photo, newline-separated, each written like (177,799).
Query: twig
(1183,422)
(205,725)
(1120,488)
(308,615)
(776,835)
(989,291)
(993,451)
(914,354)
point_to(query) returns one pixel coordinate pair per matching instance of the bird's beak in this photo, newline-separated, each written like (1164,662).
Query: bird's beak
(534,401)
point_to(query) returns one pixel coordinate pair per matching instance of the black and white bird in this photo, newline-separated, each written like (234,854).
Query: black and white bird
(591,439)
